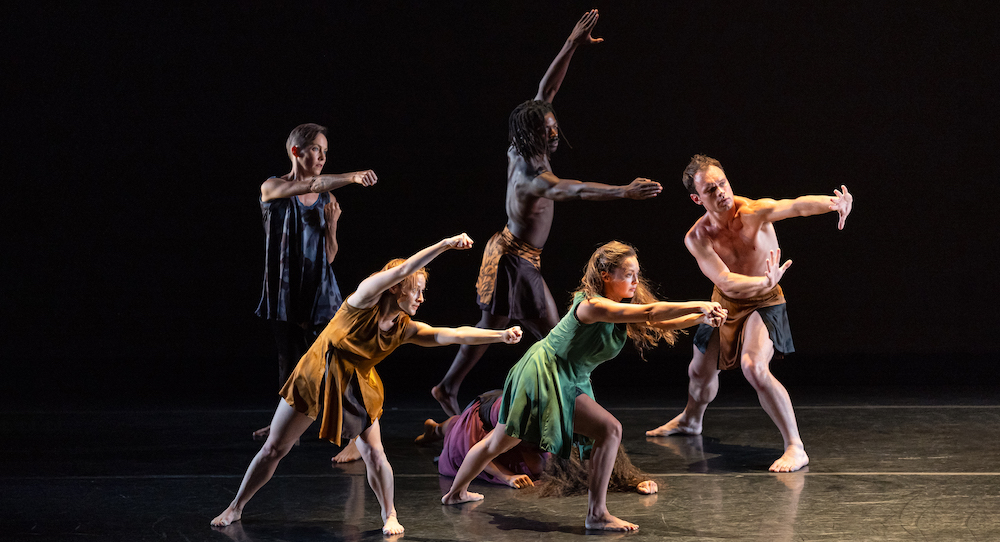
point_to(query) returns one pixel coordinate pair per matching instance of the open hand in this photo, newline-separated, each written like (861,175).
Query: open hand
(512,335)
(642,189)
(518,481)
(364,178)
(842,202)
(459,242)
(581,32)
(772,270)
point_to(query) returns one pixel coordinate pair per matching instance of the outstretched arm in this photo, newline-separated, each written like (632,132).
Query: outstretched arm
(370,289)
(547,185)
(684,322)
(599,309)
(425,335)
(277,188)
(772,211)
(553,77)
(735,284)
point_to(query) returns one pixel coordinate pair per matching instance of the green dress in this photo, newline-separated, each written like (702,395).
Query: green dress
(540,393)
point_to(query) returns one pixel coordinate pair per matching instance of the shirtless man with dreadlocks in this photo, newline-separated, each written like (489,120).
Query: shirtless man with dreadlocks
(510,285)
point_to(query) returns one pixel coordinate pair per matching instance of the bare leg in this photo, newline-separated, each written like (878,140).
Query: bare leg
(379,476)
(348,454)
(485,451)
(286,427)
(591,420)
(703,386)
(755,360)
(446,392)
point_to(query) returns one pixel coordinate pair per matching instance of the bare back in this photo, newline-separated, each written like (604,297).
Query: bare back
(742,243)
(529,217)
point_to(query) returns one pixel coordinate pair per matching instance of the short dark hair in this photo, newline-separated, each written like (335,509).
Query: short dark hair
(527,128)
(303,135)
(699,162)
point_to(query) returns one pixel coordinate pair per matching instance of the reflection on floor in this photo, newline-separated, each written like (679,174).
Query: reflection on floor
(884,466)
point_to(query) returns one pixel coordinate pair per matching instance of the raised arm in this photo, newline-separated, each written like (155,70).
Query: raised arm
(425,335)
(774,210)
(277,187)
(734,284)
(370,289)
(599,309)
(553,77)
(547,185)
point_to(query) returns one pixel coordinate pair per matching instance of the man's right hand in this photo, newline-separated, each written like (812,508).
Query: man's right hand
(642,189)
(581,32)
(773,272)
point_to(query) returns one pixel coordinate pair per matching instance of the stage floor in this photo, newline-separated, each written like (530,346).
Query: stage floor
(886,464)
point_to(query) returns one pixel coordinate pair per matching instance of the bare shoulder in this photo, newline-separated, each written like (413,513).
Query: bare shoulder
(753,211)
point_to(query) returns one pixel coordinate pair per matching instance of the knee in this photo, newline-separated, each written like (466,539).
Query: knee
(373,456)
(701,373)
(273,452)
(612,431)
(757,373)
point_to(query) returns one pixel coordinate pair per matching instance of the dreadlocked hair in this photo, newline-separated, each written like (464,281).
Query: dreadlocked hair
(567,477)
(606,259)
(527,128)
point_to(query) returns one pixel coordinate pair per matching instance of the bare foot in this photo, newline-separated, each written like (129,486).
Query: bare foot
(262,433)
(228,516)
(432,432)
(392,526)
(348,454)
(676,426)
(647,488)
(793,459)
(448,402)
(607,522)
(459,498)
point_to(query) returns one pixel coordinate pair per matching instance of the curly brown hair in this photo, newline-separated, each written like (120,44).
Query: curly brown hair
(606,259)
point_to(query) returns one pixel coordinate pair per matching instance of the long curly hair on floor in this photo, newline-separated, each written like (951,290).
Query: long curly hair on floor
(568,477)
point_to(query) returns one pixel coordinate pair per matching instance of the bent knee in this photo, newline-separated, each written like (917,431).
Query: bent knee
(274,452)
(756,372)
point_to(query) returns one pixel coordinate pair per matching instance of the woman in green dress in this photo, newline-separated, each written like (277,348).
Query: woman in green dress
(548,396)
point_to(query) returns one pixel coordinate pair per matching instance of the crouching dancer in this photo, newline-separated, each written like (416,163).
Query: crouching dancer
(371,323)
(548,395)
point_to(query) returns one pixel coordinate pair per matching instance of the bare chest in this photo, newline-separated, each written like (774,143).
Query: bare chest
(745,249)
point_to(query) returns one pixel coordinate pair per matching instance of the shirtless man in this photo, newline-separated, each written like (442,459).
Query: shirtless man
(510,285)
(736,248)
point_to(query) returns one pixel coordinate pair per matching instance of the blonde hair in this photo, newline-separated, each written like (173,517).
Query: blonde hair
(409,282)
(606,259)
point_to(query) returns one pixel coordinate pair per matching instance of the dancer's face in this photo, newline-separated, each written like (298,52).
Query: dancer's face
(409,300)
(622,281)
(312,157)
(714,192)
(552,132)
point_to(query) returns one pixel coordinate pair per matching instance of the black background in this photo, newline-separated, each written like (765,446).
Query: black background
(136,138)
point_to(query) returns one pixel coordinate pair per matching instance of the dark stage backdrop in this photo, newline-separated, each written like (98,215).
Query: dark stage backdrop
(137,135)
